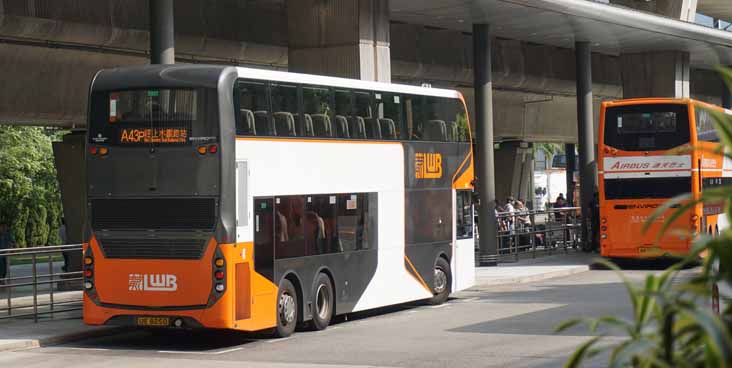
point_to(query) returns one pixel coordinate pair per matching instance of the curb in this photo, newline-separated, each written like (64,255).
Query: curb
(23,344)
(535,278)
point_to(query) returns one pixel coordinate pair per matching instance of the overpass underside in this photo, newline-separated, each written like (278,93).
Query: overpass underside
(49,57)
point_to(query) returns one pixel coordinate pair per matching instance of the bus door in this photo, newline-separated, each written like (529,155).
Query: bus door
(464,249)
(264,236)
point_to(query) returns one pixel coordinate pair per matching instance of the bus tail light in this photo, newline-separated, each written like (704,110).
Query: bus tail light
(694,218)
(93,150)
(219,275)
(219,262)
(603,228)
(213,148)
(219,287)
(604,220)
(202,150)
(88,285)
(604,236)
(103,151)
(88,273)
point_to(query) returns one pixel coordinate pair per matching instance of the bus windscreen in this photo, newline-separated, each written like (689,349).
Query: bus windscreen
(647,127)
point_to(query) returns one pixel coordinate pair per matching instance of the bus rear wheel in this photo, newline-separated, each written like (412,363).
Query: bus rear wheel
(287,307)
(441,282)
(323,301)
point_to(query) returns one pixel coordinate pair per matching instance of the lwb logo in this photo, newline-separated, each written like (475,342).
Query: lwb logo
(161,282)
(427,165)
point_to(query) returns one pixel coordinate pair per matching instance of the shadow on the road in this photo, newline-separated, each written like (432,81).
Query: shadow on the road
(207,341)
(650,264)
(549,305)
(168,340)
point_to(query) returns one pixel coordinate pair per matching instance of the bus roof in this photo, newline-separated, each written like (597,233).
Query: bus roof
(200,75)
(663,100)
(263,74)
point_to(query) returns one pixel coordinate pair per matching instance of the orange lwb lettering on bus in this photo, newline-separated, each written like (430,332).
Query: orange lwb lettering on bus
(649,151)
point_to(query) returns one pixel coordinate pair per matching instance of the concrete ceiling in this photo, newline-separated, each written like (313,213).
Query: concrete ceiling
(720,9)
(611,29)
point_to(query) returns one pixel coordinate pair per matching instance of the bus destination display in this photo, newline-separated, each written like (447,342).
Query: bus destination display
(152,135)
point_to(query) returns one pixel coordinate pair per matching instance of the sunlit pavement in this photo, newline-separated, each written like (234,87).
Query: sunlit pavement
(491,326)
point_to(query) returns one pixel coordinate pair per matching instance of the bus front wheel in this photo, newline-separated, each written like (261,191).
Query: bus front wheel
(287,307)
(441,282)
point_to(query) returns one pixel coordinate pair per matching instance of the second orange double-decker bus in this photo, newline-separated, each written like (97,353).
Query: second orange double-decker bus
(641,166)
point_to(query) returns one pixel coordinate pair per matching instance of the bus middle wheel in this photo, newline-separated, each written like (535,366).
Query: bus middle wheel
(323,302)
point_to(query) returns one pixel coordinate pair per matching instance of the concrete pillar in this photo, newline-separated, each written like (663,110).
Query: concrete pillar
(521,172)
(71,175)
(678,9)
(342,38)
(482,82)
(586,133)
(571,163)
(655,74)
(162,32)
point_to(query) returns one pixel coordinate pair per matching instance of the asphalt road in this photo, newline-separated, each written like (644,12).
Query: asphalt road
(506,326)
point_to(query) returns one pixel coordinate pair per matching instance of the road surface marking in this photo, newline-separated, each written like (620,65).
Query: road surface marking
(200,352)
(278,340)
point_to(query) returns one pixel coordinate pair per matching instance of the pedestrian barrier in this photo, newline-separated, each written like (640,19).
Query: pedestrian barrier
(532,232)
(33,288)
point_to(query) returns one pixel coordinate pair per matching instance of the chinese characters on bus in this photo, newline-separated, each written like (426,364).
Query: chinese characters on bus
(153,135)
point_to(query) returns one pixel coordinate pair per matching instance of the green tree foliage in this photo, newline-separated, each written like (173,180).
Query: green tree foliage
(463,128)
(30,200)
(549,149)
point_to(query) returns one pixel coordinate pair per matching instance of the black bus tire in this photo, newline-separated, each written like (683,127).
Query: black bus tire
(442,280)
(287,309)
(323,302)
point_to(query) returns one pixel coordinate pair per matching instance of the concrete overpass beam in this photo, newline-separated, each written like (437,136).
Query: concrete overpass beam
(342,38)
(656,74)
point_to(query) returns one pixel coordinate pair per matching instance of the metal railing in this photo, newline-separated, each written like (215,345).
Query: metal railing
(30,292)
(531,232)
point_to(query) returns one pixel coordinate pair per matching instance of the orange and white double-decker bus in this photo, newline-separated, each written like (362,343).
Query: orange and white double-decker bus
(641,167)
(235,198)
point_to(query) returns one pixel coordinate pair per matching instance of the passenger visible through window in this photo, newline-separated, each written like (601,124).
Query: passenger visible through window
(317,107)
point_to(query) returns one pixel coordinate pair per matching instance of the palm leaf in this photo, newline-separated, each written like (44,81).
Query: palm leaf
(580,354)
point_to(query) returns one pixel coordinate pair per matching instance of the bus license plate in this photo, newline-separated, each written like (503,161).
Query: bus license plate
(646,250)
(153,321)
